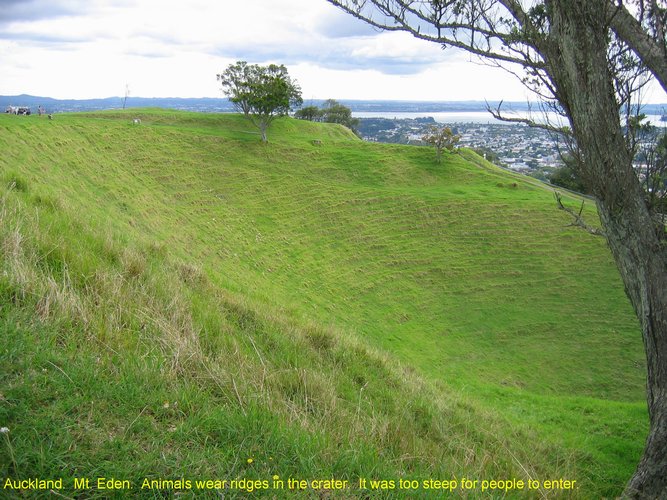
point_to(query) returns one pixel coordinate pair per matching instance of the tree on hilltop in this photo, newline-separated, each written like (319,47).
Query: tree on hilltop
(262,93)
(441,138)
(331,111)
(236,80)
(310,113)
(587,60)
(335,112)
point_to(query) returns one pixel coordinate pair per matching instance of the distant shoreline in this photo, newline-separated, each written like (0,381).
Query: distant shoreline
(213,105)
(478,117)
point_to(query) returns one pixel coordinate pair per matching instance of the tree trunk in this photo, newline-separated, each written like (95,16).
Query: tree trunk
(643,269)
(576,55)
(263,127)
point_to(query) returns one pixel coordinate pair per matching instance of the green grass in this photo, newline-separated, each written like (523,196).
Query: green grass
(178,297)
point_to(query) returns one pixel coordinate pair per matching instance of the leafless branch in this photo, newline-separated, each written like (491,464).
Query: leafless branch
(477,33)
(578,219)
(498,115)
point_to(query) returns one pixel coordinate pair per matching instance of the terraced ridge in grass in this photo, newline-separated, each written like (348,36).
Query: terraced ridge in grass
(179,284)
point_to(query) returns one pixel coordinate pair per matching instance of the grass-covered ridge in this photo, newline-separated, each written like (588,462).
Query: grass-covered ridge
(178,297)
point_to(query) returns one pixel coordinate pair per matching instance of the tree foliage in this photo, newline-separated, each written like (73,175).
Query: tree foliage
(566,176)
(331,111)
(262,93)
(588,61)
(335,112)
(650,146)
(441,138)
(654,175)
(236,81)
(310,113)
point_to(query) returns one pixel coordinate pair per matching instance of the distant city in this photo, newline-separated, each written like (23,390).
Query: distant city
(517,147)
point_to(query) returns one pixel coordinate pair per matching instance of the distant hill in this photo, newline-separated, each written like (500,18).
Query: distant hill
(69,105)
(180,301)
(207,104)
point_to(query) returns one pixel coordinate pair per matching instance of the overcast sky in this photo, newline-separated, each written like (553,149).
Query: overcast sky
(161,48)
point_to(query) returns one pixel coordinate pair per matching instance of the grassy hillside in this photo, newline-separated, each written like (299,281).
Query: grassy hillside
(179,298)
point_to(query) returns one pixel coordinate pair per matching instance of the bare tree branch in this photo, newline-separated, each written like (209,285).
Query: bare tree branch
(453,32)
(578,219)
(498,115)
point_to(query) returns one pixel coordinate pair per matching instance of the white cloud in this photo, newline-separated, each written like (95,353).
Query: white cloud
(92,48)
(457,79)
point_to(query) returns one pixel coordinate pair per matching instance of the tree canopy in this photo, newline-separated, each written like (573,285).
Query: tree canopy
(441,138)
(310,113)
(261,93)
(331,111)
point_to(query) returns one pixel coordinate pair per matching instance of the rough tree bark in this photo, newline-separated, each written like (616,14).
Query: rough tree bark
(576,60)
(652,54)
